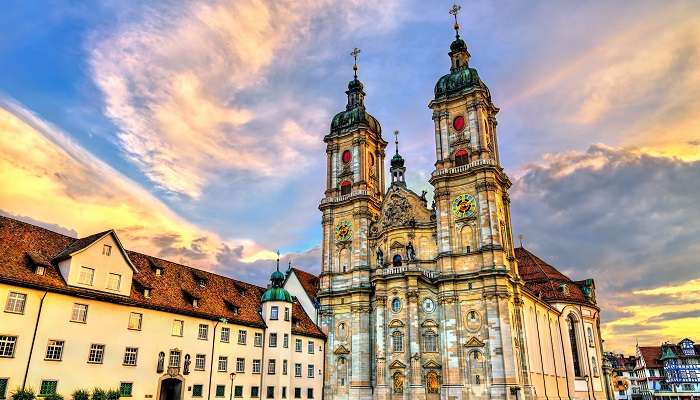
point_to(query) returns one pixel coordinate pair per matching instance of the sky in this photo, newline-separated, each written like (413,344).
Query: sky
(195,129)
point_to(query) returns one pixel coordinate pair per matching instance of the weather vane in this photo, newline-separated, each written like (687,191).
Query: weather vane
(278,260)
(396,135)
(354,53)
(454,11)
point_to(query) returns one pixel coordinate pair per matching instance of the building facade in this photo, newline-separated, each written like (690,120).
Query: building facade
(625,385)
(434,301)
(85,313)
(669,371)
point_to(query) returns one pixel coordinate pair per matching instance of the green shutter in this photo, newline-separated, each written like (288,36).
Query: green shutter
(3,388)
(47,388)
(220,390)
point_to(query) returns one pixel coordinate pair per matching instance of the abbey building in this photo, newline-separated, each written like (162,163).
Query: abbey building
(428,301)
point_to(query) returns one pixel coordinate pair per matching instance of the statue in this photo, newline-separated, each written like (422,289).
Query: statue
(433,382)
(186,368)
(398,382)
(380,257)
(410,252)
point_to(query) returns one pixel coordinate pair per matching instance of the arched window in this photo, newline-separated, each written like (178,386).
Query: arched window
(343,260)
(591,342)
(396,261)
(342,370)
(430,342)
(461,157)
(573,339)
(397,341)
(345,187)
(396,305)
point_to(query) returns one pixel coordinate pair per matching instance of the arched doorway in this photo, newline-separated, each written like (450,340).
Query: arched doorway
(170,389)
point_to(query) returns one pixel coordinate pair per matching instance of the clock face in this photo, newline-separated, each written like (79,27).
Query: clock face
(458,123)
(428,305)
(343,231)
(464,206)
(347,156)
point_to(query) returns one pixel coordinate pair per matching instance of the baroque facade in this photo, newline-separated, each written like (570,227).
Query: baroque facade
(85,313)
(434,301)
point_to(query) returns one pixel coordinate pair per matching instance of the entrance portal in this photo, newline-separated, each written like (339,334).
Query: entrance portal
(170,389)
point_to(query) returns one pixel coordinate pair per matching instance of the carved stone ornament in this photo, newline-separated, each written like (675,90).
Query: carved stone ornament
(398,382)
(432,381)
(397,212)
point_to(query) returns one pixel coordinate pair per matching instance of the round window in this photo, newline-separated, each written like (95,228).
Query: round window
(458,123)
(396,305)
(347,156)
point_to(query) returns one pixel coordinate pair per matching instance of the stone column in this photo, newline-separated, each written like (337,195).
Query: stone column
(438,140)
(413,333)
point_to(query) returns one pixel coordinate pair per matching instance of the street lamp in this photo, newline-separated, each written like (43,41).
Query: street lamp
(233,376)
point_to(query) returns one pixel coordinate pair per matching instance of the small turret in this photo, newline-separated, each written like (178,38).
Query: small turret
(398,170)
(276,292)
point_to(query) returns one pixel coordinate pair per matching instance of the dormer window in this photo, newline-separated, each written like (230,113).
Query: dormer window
(201,282)
(39,270)
(147,293)
(195,303)
(106,250)
(159,271)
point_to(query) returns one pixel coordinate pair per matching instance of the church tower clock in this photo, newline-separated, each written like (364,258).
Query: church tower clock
(353,197)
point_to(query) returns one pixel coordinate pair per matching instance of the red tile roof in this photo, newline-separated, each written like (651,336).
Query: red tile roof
(651,356)
(308,281)
(544,281)
(23,245)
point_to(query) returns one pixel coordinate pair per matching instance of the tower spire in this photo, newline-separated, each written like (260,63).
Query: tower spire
(278,260)
(396,140)
(397,169)
(355,53)
(454,10)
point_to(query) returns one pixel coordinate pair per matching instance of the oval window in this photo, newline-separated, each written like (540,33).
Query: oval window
(458,123)
(347,156)
(396,305)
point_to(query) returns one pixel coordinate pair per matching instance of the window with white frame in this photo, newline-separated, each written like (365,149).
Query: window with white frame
(242,336)
(200,361)
(273,340)
(135,320)
(7,345)
(310,371)
(240,365)
(274,312)
(114,281)
(79,313)
(256,366)
(54,350)
(178,327)
(223,363)
(297,345)
(174,359)
(86,276)
(271,367)
(15,303)
(258,340)
(203,332)
(97,354)
(397,341)
(225,334)
(131,355)
(297,370)
(310,347)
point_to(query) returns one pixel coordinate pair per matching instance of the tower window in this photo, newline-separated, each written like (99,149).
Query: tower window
(396,261)
(347,156)
(461,157)
(345,187)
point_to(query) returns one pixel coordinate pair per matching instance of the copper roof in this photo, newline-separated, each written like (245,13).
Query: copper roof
(22,245)
(545,281)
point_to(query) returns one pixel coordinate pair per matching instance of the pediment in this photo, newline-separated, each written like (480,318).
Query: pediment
(474,342)
(396,323)
(397,364)
(340,350)
(396,245)
(402,208)
(429,323)
(432,365)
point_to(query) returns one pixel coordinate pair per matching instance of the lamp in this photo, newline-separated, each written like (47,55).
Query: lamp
(233,376)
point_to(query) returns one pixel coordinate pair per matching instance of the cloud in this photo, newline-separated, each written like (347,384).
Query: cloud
(195,94)
(40,162)
(672,316)
(624,217)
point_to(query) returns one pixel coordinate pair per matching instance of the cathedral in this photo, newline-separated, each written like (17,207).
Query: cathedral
(434,301)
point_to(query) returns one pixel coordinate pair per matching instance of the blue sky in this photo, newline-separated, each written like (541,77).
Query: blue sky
(195,129)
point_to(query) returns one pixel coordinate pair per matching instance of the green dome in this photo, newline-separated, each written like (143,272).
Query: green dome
(353,117)
(457,81)
(458,45)
(355,85)
(397,161)
(276,294)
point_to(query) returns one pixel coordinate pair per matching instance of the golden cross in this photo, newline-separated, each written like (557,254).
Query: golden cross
(354,53)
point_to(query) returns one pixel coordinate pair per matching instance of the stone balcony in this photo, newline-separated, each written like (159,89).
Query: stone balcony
(465,167)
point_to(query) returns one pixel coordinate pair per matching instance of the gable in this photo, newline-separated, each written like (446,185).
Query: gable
(105,260)
(474,342)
